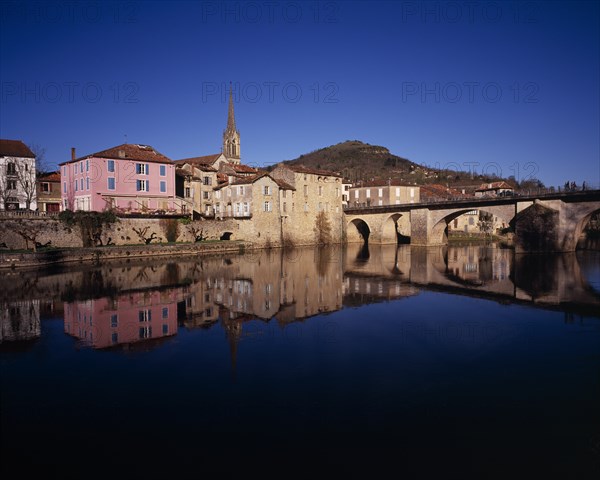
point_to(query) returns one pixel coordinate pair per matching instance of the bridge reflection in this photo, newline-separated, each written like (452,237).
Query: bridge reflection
(145,303)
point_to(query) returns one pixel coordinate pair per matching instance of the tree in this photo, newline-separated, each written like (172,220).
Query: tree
(18,182)
(486,222)
(26,229)
(322,229)
(41,164)
(26,181)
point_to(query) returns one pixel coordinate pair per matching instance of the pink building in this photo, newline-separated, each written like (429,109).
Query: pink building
(128,178)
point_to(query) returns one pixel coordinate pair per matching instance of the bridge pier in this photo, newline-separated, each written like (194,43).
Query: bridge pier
(423,230)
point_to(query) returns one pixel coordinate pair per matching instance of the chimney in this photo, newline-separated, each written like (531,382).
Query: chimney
(73,156)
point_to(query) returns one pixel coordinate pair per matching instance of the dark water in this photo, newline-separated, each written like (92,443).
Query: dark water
(459,362)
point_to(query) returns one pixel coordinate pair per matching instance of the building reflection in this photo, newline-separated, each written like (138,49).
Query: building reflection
(144,303)
(128,318)
(20,321)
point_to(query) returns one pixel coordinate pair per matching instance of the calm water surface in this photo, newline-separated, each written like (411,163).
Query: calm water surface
(463,362)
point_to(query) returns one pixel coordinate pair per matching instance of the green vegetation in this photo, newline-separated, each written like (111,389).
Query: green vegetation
(91,224)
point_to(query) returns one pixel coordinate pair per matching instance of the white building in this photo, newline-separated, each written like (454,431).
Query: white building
(17,176)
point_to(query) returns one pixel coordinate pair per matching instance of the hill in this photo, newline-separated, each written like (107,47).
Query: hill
(361,162)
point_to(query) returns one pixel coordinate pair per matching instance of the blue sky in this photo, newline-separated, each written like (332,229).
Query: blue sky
(506,87)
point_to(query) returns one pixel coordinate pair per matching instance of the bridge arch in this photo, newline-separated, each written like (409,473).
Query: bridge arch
(358,231)
(396,229)
(439,231)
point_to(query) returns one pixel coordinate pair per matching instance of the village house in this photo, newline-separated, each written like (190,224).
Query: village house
(128,178)
(48,192)
(17,176)
(494,189)
(314,205)
(382,193)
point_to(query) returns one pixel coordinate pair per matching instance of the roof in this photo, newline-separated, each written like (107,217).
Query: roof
(239,168)
(49,177)
(493,186)
(249,180)
(128,151)
(205,160)
(384,183)
(311,171)
(15,148)
(435,190)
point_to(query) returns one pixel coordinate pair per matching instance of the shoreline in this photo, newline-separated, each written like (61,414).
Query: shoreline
(48,258)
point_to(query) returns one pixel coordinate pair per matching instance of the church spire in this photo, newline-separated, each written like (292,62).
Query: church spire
(230,113)
(231,137)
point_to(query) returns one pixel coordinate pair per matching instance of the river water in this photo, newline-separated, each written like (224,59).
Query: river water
(460,361)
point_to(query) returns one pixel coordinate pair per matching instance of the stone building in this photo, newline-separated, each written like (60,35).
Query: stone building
(48,192)
(17,176)
(494,189)
(312,210)
(382,193)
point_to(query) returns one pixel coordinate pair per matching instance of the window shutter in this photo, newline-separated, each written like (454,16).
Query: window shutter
(138,185)
(147,169)
(147,185)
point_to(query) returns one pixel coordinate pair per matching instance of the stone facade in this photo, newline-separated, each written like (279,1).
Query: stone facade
(379,194)
(316,194)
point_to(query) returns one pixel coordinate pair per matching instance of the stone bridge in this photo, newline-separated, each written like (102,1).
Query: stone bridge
(552,222)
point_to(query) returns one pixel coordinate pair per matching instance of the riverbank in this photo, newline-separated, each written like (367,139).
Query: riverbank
(57,256)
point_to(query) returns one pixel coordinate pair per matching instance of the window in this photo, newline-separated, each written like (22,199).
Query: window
(165,329)
(163,186)
(145,315)
(284,207)
(64,187)
(207,181)
(75,169)
(412,193)
(81,166)
(368,193)
(145,332)
(355,193)
(65,171)
(111,183)
(267,206)
(380,203)
(397,191)
(45,187)
(143,185)
(246,207)
(87,165)
(12,184)
(114,320)
(81,184)
(165,312)
(110,166)
(163,170)
(115,337)
(267,190)
(205,195)
(188,192)
(305,190)
(241,190)
(87,183)
(337,192)
(142,168)
(320,190)
(381,192)
(76,183)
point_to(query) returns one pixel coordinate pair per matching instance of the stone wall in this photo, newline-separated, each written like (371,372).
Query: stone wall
(127,231)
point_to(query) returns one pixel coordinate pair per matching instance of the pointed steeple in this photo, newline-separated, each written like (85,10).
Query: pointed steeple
(231,136)
(230,112)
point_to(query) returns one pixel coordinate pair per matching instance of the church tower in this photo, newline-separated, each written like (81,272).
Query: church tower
(231,137)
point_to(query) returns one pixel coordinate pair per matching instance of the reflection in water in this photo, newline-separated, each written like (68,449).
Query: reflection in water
(138,302)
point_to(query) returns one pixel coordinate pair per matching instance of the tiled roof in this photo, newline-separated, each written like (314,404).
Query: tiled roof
(129,151)
(49,177)
(15,148)
(249,180)
(384,183)
(311,171)
(239,168)
(435,190)
(205,160)
(493,186)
